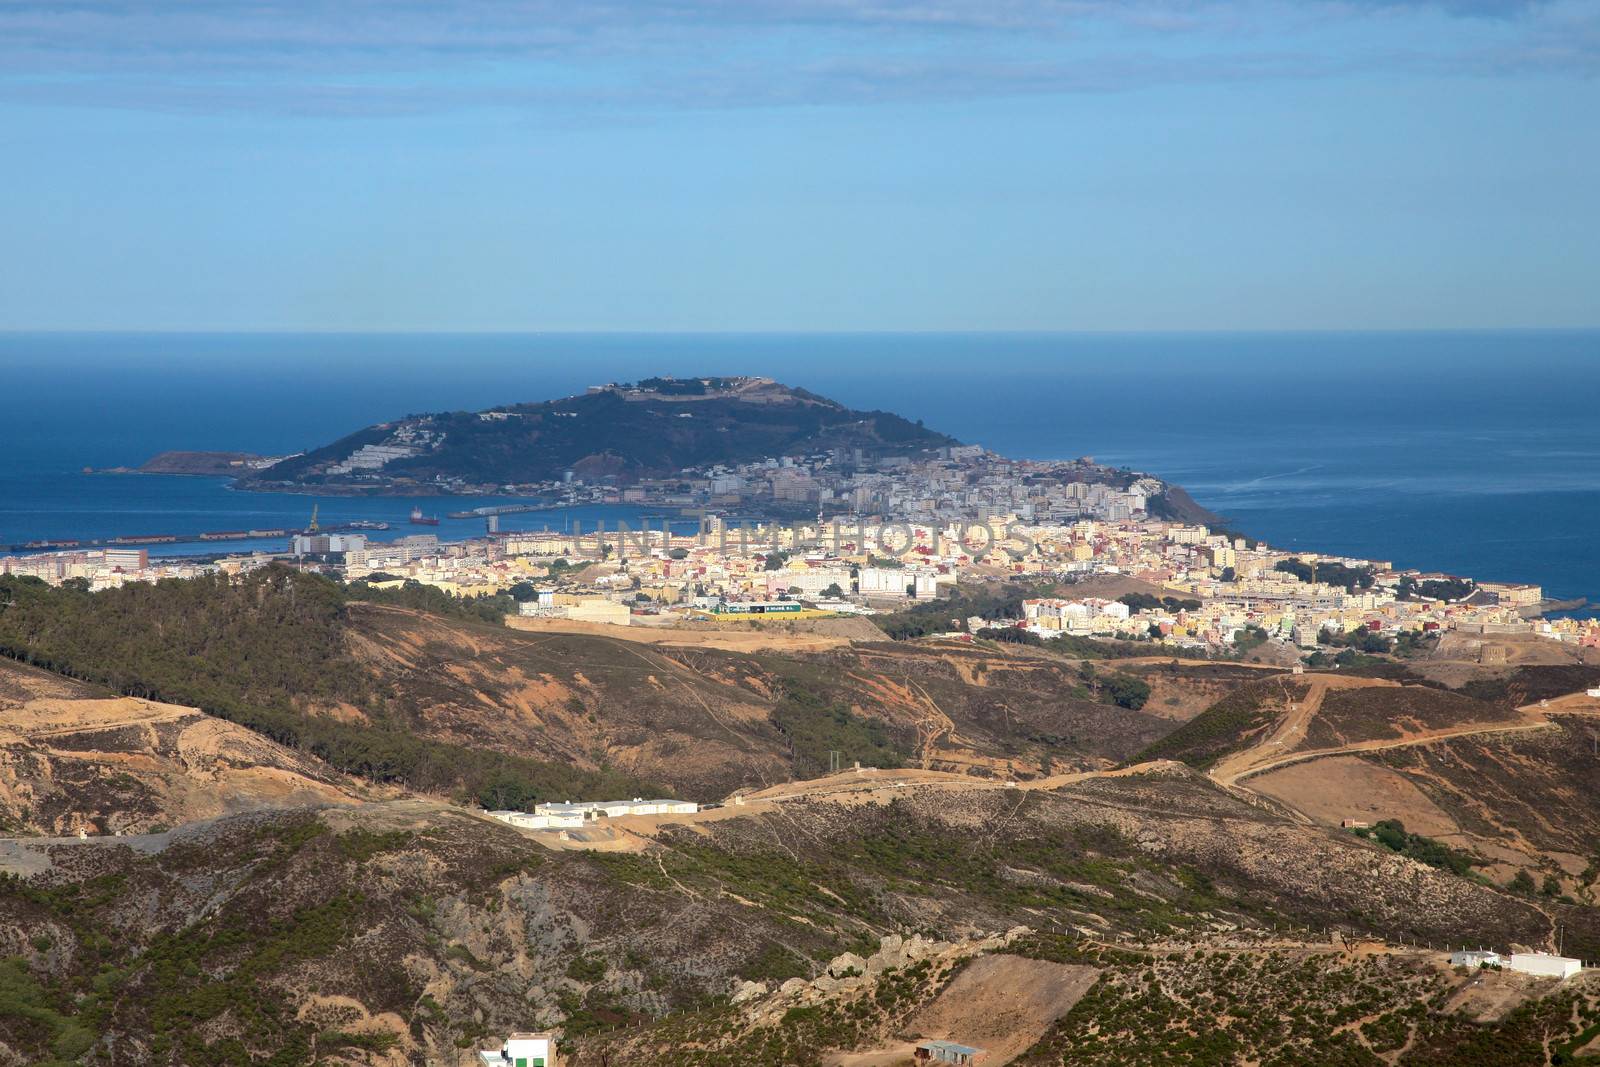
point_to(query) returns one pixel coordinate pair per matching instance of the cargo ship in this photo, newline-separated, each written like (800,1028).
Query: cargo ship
(419,519)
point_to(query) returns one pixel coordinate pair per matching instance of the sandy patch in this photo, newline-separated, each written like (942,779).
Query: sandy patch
(1348,787)
(723,640)
(1002,1004)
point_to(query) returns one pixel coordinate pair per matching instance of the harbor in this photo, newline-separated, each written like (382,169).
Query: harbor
(203,537)
(204,517)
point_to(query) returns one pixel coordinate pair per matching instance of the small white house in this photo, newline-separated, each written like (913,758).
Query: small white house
(948,1052)
(1544,965)
(522,1050)
(1595,692)
(1475,958)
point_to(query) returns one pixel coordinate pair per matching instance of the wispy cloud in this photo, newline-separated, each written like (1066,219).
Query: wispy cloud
(371,57)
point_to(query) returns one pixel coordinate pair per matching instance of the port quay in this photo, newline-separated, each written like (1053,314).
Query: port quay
(205,537)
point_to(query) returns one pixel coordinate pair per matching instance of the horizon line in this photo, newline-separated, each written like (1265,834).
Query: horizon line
(998,332)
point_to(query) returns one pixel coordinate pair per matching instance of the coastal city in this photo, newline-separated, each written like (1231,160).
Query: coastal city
(884,533)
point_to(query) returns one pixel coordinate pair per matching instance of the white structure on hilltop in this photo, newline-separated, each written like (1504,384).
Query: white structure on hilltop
(538,821)
(571,815)
(522,1050)
(613,809)
(1544,965)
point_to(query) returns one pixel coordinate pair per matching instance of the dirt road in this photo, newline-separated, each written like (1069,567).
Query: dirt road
(1277,749)
(751,640)
(1282,739)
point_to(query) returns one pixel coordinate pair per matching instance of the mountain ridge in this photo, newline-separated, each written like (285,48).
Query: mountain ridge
(622,432)
(775,928)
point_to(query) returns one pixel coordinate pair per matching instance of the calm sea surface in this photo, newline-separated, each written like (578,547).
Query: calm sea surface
(1477,453)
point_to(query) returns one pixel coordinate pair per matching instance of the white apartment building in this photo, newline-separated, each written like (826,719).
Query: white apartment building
(810,581)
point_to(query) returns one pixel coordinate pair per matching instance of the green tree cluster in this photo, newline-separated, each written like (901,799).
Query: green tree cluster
(265,650)
(1340,574)
(1393,835)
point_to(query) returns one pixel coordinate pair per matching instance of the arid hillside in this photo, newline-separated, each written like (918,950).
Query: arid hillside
(410,932)
(421,693)
(1518,801)
(1186,862)
(74,758)
(706,720)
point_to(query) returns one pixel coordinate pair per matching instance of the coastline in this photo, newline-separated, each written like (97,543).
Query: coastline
(1178,505)
(1550,606)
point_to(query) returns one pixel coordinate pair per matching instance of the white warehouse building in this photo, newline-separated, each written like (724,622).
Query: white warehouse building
(572,815)
(1544,965)
(538,821)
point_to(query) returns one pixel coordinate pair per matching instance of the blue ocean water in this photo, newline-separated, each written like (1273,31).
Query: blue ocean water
(1476,453)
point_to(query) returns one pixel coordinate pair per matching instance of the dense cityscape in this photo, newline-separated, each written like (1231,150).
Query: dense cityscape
(894,530)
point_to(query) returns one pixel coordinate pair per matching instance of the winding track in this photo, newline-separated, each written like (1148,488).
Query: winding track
(1262,758)
(1268,754)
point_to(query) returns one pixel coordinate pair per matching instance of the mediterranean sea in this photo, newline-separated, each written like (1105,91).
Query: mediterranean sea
(1473,453)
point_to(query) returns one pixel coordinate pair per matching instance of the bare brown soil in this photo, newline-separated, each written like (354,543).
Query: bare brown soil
(1510,791)
(1112,586)
(1518,650)
(1370,715)
(74,759)
(700,711)
(1002,1004)
(727,640)
(1347,787)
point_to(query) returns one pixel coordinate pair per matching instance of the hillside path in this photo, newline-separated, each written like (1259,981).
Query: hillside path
(1290,730)
(1272,753)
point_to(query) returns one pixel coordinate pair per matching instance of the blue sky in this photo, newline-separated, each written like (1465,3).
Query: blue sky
(799,165)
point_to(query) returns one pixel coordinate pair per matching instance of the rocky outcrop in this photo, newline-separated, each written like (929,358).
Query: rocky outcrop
(849,974)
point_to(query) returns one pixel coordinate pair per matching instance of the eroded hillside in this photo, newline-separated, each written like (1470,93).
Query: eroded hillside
(406,932)
(74,758)
(1155,844)
(706,721)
